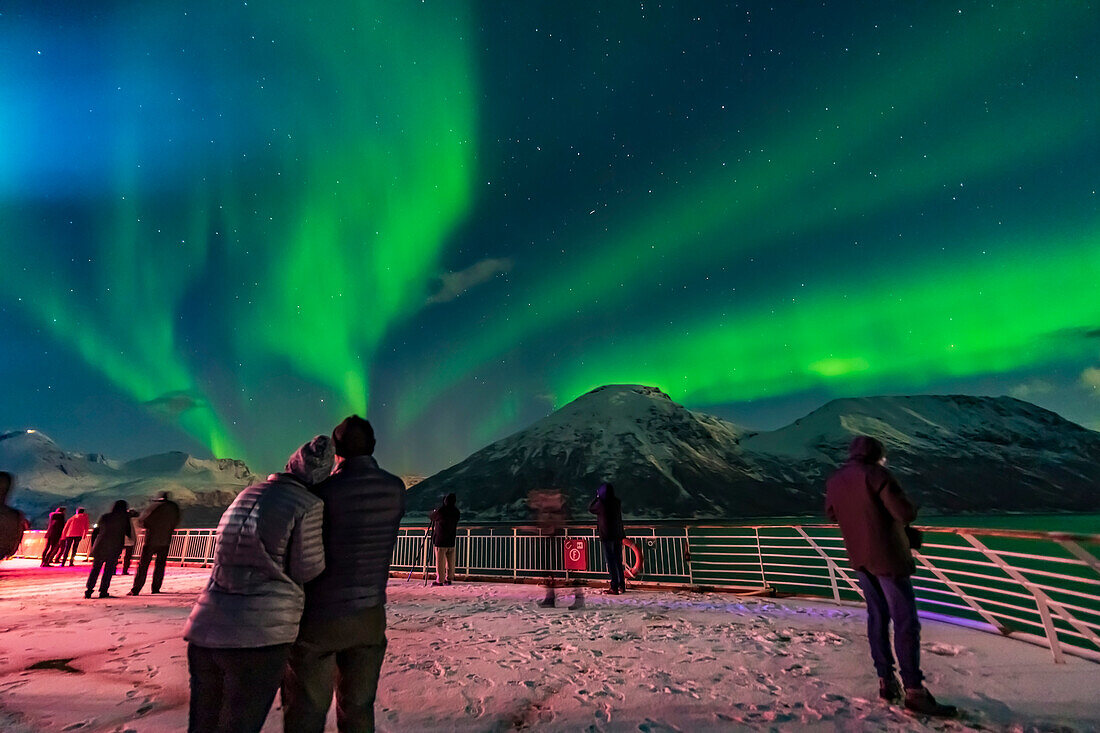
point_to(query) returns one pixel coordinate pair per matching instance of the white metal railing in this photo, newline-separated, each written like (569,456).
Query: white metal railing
(1042,587)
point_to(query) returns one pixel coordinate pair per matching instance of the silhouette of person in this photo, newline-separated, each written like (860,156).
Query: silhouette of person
(444,532)
(609,524)
(75,529)
(241,629)
(107,541)
(342,640)
(872,510)
(551,513)
(54,527)
(13,523)
(160,520)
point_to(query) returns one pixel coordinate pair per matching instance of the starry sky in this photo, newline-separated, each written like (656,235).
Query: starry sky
(224,226)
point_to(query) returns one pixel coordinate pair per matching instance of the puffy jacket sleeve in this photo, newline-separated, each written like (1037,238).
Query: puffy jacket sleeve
(306,553)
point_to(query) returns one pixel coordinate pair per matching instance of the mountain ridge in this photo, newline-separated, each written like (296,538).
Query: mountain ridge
(672,462)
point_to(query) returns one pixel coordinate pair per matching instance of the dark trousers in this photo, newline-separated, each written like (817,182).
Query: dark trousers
(68,549)
(232,689)
(892,599)
(347,652)
(613,554)
(108,565)
(147,553)
(127,558)
(52,549)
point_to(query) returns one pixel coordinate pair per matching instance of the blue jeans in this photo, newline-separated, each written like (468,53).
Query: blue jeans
(613,554)
(892,599)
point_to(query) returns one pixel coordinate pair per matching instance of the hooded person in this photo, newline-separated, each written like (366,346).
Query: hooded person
(75,529)
(609,524)
(444,532)
(865,499)
(13,523)
(108,539)
(342,640)
(54,528)
(159,519)
(239,633)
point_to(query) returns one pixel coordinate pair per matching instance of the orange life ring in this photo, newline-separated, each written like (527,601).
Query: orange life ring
(636,569)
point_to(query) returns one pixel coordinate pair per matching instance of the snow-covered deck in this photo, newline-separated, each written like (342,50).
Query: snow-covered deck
(482,657)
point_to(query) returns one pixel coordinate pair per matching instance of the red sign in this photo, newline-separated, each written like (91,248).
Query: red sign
(576,555)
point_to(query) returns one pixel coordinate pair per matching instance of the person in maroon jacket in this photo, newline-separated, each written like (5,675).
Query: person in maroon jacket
(872,510)
(54,529)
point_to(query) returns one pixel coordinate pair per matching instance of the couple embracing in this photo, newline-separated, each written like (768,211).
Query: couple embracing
(296,598)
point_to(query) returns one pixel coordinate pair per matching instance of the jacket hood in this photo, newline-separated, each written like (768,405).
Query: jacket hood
(450,500)
(606,491)
(120,507)
(312,463)
(865,449)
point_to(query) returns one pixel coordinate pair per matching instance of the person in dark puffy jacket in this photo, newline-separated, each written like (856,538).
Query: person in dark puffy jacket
(241,629)
(343,634)
(444,532)
(54,527)
(108,538)
(160,520)
(872,510)
(609,524)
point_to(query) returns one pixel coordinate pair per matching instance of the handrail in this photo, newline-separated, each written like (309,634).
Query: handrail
(1041,587)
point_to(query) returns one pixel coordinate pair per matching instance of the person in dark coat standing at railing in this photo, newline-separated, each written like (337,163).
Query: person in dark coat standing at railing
(108,538)
(609,524)
(241,629)
(444,533)
(343,634)
(54,527)
(865,499)
(160,520)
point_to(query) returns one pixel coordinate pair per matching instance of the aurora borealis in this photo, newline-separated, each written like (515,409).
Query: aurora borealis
(224,227)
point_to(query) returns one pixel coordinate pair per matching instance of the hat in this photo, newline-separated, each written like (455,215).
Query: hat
(312,463)
(353,437)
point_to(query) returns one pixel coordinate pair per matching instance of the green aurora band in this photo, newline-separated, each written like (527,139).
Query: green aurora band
(946,319)
(338,221)
(847,153)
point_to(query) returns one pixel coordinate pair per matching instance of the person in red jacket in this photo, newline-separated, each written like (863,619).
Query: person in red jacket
(867,502)
(75,529)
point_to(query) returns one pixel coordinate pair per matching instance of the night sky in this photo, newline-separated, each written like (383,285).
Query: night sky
(224,226)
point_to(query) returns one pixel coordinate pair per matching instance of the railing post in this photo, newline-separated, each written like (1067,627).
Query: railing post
(687,555)
(1049,630)
(515,554)
(760,558)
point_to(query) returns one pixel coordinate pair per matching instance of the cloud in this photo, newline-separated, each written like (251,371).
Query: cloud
(454,284)
(1029,390)
(174,404)
(1091,378)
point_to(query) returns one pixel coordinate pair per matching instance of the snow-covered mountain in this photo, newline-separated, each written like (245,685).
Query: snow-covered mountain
(952,453)
(47,476)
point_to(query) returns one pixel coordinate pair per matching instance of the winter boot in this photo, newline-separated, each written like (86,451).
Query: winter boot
(919,700)
(578,603)
(88,593)
(889,689)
